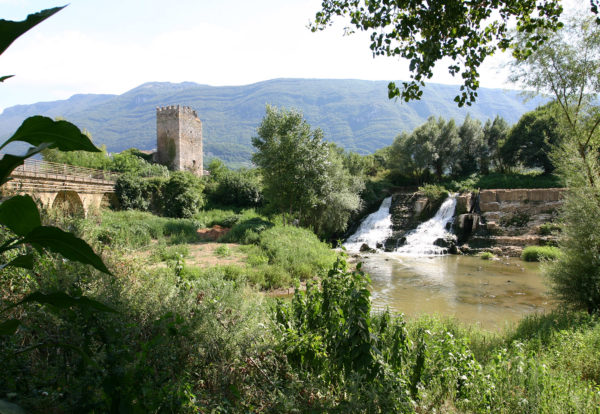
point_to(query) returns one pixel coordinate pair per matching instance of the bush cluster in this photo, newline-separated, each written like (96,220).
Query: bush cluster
(180,195)
(538,253)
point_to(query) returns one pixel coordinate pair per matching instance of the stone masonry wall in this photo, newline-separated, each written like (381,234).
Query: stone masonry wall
(512,219)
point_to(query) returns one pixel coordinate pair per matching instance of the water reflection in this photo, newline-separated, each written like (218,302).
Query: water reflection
(490,293)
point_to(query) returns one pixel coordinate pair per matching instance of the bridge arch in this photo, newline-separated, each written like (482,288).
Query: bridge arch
(69,203)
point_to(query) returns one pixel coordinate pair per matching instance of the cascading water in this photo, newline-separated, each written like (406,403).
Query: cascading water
(376,228)
(420,241)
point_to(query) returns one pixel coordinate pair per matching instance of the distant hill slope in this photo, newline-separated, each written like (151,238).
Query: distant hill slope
(353,113)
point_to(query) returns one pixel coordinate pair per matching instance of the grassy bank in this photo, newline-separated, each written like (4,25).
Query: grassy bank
(271,255)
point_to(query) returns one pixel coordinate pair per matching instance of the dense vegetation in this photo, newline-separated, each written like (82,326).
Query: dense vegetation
(187,339)
(126,332)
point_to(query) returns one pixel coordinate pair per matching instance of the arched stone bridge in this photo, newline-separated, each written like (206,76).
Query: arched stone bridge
(70,188)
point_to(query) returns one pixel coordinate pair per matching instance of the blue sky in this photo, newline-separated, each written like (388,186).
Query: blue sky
(109,46)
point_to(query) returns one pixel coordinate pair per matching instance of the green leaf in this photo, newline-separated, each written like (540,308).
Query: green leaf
(3,78)
(71,247)
(9,162)
(24,261)
(63,300)
(61,134)
(9,327)
(10,30)
(20,214)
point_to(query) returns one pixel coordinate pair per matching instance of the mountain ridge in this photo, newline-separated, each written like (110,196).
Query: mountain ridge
(351,112)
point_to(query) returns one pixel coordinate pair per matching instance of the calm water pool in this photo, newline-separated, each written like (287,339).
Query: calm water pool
(490,293)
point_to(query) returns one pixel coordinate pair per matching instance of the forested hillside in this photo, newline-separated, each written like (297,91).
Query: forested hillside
(353,113)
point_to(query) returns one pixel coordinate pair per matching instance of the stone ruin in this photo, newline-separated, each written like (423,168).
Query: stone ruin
(179,139)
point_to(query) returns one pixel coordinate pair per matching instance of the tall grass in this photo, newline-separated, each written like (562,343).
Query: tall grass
(538,253)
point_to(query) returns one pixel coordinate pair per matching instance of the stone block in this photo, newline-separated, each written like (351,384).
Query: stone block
(492,216)
(511,208)
(489,206)
(487,196)
(420,205)
(491,225)
(464,203)
(545,194)
(511,195)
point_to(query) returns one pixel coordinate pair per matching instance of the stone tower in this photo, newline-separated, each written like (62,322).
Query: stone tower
(179,138)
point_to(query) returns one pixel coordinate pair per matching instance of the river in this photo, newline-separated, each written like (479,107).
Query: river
(491,293)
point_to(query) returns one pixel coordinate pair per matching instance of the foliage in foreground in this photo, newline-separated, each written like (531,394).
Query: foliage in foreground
(188,341)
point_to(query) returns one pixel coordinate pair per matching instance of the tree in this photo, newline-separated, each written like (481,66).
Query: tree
(303,176)
(441,140)
(471,146)
(292,158)
(341,195)
(425,32)
(530,141)
(567,67)
(411,156)
(494,136)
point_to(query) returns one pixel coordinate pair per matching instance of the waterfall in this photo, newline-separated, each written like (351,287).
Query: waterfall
(375,228)
(419,242)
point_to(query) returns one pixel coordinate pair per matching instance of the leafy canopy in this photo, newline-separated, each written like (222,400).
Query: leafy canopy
(467,32)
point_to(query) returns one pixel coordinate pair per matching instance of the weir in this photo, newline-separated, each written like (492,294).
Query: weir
(377,227)
(374,229)
(420,241)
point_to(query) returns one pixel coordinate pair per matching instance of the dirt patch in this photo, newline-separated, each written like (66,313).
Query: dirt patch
(205,255)
(212,233)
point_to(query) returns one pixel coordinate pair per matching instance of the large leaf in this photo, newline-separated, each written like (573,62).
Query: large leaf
(24,261)
(66,244)
(9,327)
(61,134)
(9,162)
(10,30)
(3,78)
(20,214)
(62,300)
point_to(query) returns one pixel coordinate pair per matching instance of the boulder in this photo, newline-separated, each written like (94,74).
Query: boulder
(364,248)
(446,242)
(465,225)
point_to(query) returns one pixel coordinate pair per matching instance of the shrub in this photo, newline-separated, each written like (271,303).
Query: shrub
(517,219)
(247,231)
(182,195)
(537,253)
(223,251)
(547,229)
(270,277)
(132,192)
(238,188)
(164,253)
(486,256)
(434,192)
(296,250)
